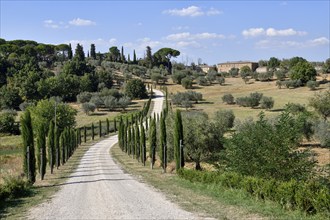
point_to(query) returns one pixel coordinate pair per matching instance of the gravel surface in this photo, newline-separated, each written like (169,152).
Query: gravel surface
(99,189)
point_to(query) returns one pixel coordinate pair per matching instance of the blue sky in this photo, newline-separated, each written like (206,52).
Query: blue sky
(214,31)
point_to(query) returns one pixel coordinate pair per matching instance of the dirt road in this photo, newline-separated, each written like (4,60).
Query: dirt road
(99,189)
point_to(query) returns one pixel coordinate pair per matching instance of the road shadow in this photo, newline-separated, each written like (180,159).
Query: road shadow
(86,181)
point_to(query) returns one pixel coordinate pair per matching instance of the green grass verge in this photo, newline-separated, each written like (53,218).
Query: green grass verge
(206,200)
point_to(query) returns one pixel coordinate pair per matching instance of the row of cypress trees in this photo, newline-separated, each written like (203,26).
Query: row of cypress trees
(132,136)
(60,146)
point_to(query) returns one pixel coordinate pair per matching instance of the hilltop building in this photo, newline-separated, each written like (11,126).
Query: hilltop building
(225,67)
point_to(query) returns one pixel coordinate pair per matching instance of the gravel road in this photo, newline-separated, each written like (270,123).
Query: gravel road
(99,189)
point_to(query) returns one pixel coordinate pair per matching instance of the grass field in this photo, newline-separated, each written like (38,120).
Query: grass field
(212,96)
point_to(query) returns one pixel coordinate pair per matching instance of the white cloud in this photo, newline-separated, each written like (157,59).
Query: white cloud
(276,44)
(182,44)
(192,11)
(180,28)
(272,32)
(81,22)
(188,36)
(213,11)
(253,32)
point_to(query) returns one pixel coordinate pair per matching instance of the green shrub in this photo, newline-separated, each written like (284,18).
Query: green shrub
(312,84)
(186,83)
(14,187)
(228,98)
(285,194)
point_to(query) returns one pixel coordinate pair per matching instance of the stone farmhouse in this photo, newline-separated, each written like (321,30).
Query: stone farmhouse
(225,67)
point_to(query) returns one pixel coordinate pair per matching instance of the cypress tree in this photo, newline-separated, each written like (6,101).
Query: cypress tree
(178,141)
(125,137)
(41,150)
(70,52)
(163,147)
(29,163)
(100,128)
(120,135)
(115,125)
(137,142)
(133,145)
(129,140)
(134,57)
(57,146)
(62,146)
(108,126)
(85,134)
(146,123)
(93,53)
(152,142)
(51,146)
(67,144)
(143,145)
(93,131)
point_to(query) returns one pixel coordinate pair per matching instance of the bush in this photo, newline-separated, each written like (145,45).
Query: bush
(186,83)
(267,102)
(295,108)
(84,97)
(250,101)
(7,122)
(135,89)
(280,75)
(202,81)
(228,98)
(322,133)
(110,102)
(178,76)
(88,107)
(97,101)
(224,119)
(312,85)
(221,80)
(14,187)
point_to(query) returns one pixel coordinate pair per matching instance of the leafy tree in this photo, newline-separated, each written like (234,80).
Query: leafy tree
(269,151)
(93,53)
(88,107)
(134,57)
(70,52)
(221,80)
(224,120)
(267,102)
(10,98)
(201,80)
(295,108)
(177,76)
(123,103)
(97,101)
(186,83)
(7,122)
(245,70)
(326,66)
(164,55)
(321,103)
(110,102)
(228,98)
(84,97)
(114,54)
(233,72)
(303,71)
(51,146)
(322,132)
(280,75)
(312,85)
(105,77)
(273,63)
(201,138)
(152,142)
(29,163)
(136,89)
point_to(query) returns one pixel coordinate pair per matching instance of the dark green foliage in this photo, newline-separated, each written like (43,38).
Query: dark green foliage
(228,98)
(29,163)
(143,146)
(295,108)
(93,132)
(178,141)
(57,146)
(137,142)
(14,187)
(177,76)
(133,143)
(115,125)
(162,145)
(85,134)
(62,145)
(129,140)
(93,53)
(108,126)
(267,102)
(265,150)
(250,101)
(100,128)
(186,83)
(135,89)
(51,146)
(321,103)
(322,133)
(41,151)
(7,122)
(152,142)
(303,71)
(224,120)
(311,197)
